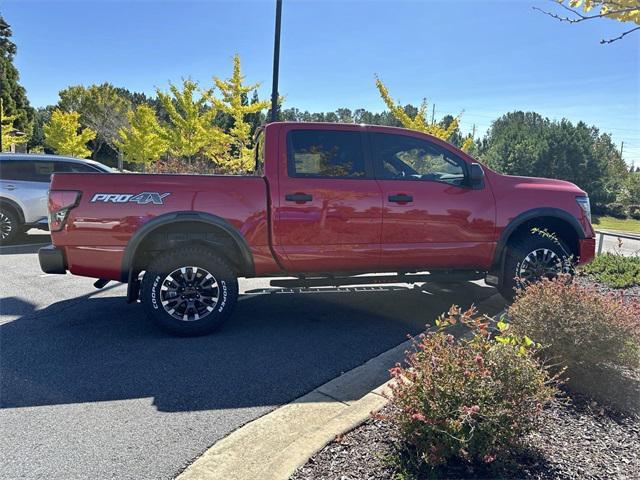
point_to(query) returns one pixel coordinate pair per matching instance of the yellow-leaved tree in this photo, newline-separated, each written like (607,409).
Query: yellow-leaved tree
(143,140)
(63,134)
(234,102)
(420,122)
(625,11)
(191,131)
(8,130)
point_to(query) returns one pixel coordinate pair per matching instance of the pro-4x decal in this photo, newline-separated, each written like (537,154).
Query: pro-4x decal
(143,198)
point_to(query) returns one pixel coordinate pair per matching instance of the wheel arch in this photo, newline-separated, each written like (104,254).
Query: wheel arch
(541,217)
(7,202)
(245,261)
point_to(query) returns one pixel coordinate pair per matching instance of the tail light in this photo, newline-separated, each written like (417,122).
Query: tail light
(60,202)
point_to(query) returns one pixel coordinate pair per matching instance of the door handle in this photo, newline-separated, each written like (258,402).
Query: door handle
(9,187)
(401,198)
(298,197)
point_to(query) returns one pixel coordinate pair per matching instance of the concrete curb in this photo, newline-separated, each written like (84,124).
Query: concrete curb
(272,447)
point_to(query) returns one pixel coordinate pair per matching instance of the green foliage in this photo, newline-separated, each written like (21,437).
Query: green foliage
(634,211)
(63,134)
(579,326)
(190,130)
(630,190)
(616,210)
(101,108)
(143,141)
(520,143)
(470,400)
(8,130)
(614,270)
(13,95)
(234,103)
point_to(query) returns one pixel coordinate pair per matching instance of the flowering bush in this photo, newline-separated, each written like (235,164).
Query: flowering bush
(177,165)
(470,399)
(579,325)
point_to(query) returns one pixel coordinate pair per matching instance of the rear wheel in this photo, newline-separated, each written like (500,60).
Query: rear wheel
(10,227)
(189,291)
(530,259)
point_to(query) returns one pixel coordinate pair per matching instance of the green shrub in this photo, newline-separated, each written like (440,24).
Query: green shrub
(634,211)
(616,210)
(579,326)
(614,270)
(469,400)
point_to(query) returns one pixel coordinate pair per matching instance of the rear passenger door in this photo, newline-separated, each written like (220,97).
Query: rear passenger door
(28,182)
(329,212)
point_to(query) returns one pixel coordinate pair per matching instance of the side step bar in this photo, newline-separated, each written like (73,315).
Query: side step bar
(377,279)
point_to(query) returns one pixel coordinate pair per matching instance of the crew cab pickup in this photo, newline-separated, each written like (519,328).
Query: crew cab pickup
(326,204)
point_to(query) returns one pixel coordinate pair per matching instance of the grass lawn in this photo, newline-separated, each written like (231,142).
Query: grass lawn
(611,223)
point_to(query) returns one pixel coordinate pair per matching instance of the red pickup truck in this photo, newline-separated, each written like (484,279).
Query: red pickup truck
(326,204)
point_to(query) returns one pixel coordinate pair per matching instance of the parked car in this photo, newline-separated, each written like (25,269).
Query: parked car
(24,185)
(326,202)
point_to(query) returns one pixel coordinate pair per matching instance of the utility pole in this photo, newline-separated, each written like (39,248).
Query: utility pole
(276,63)
(433,114)
(621,149)
(473,132)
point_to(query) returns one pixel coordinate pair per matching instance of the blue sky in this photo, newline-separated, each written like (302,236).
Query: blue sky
(481,57)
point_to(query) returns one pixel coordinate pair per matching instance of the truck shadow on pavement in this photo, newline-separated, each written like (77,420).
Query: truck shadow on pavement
(275,348)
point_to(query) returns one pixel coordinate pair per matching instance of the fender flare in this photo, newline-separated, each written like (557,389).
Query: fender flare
(499,255)
(13,205)
(183,217)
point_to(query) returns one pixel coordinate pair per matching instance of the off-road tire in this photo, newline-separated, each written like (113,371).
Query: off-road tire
(517,251)
(9,225)
(191,258)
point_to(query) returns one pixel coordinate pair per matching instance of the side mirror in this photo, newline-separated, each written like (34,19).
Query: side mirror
(476,175)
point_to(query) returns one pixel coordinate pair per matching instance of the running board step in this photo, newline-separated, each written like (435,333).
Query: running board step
(377,279)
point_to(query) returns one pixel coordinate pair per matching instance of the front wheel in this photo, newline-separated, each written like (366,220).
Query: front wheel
(189,291)
(10,227)
(530,259)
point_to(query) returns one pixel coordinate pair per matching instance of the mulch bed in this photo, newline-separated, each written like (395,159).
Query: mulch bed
(578,438)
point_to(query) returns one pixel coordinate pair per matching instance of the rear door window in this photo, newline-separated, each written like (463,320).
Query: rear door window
(325,154)
(74,167)
(26,170)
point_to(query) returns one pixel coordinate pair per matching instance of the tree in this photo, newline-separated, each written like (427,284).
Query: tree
(9,136)
(102,109)
(190,130)
(143,141)
(13,95)
(417,119)
(63,134)
(525,143)
(234,103)
(625,11)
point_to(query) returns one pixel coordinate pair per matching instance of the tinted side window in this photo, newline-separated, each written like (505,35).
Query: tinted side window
(399,157)
(74,167)
(325,153)
(26,170)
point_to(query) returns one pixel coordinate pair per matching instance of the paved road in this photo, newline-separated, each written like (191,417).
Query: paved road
(611,243)
(89,388)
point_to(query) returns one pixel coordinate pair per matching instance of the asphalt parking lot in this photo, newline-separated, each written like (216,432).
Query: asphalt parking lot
(89,388)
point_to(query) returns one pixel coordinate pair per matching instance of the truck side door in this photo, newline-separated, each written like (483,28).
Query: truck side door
(431,217)
(328,215)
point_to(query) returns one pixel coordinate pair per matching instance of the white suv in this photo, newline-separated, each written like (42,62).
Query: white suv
(24,186)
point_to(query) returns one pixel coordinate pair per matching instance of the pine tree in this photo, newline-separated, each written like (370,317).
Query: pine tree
(63,135)
(234,103)
(191,131)
(13,94)
(143,141)
(419,120)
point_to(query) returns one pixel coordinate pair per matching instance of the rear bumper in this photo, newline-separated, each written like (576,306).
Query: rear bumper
(587,249)
(52,260)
